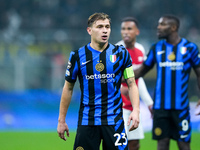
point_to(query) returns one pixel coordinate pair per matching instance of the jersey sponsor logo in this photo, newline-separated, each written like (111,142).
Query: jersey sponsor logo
(104,78)
(99,67)
(158,131)
(113,58)
(160,52)
(183,50)
(83,63)
(172,56)
(172,65)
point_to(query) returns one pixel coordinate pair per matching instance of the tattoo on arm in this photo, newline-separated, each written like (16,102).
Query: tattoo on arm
(130,81)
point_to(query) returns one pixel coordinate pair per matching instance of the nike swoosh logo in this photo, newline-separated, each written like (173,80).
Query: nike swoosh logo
(183,136)
(83,63)
(160,52)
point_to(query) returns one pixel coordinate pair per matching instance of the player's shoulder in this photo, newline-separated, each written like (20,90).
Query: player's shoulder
(139,47)
(77,52)
(120,43)
(188,43)
(155,44)
(117,47)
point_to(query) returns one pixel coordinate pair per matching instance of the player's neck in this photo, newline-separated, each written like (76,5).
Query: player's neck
(174,39)
(130,45)
(99,46)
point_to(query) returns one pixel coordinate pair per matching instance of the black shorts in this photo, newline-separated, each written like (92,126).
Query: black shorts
(113,137)
(174,124)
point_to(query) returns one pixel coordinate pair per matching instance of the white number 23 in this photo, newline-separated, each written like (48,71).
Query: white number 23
(119,136)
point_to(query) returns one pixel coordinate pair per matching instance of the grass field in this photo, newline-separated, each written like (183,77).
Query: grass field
(51,141)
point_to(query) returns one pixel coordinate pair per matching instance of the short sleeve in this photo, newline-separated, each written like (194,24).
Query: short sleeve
(72,67)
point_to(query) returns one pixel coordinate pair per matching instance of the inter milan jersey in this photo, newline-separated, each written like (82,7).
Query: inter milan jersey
(174,64)
(99,75)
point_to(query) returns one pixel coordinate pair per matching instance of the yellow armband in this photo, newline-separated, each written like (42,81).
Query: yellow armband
(128,73)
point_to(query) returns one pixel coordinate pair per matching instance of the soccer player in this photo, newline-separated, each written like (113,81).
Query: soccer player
(99,66)
(175,57)
(129,32)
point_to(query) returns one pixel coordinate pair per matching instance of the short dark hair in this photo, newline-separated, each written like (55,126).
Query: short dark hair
(175,20)
(131,19)
(97,16)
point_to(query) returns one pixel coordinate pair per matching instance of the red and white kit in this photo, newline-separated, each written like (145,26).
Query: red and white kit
(138,56)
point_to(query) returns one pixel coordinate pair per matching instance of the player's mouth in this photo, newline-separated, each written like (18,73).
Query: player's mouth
(104,37)
(159,32)
(126,38)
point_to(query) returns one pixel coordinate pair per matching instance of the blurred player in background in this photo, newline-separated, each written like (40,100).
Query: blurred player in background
(129,32)
(99,66)
(175,57)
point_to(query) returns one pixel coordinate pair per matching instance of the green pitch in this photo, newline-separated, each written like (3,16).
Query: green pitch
(51,141)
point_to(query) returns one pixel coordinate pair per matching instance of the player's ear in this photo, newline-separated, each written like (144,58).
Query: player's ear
(173,27)
(89,30)
(137,32)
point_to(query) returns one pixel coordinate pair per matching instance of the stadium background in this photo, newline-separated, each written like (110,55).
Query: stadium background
(35,40)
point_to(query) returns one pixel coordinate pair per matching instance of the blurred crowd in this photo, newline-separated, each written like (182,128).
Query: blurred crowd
(37,14)
(36,36)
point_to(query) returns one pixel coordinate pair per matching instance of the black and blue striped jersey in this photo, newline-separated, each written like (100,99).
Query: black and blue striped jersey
(99,75)
(174,64)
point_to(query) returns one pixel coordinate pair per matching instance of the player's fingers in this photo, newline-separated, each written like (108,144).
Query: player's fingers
(198,113)
(134,125)
(67,133)
(129,120)
(62,136)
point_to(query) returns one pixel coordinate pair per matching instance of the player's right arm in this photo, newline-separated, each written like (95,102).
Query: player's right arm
(64,105)
(141,71)
(147,65)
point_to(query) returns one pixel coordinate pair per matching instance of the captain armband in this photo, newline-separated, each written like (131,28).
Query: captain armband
(128,72)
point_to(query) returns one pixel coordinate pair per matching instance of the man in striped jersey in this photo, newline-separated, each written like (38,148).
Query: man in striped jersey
(129,32)
(99,66)
(175,57)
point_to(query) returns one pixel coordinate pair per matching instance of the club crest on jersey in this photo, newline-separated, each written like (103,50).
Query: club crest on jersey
(113,58)
(172,56)
(99,66)
(183,50)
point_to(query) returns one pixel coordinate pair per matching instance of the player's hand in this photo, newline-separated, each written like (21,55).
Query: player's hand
(198,105)
(61,129)
(134,116)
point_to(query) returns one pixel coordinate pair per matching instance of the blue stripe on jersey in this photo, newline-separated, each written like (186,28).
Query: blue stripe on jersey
(100,80)
(185,125)
(174,64)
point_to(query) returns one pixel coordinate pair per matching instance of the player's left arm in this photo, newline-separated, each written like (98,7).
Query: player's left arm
(144,94)
(197,72)
(134,98)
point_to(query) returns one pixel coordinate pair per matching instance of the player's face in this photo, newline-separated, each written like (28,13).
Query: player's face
(100,31)
(129,31)
(164,28)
